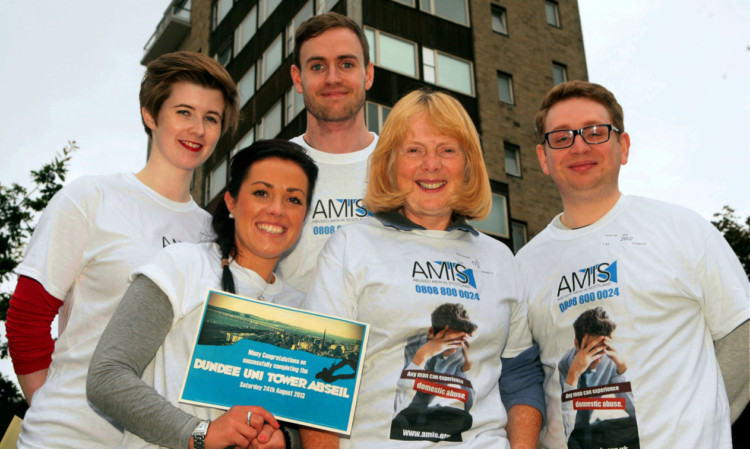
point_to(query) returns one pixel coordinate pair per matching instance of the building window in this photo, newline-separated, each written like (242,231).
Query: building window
(224,55)
(376,115)
(216,181)
(405,2)
(497,222)
(295,103)
(246,86)
(305,13)
(499,20)
(270,124)
(246,140)
(447,71)
(246,30)
(453,10)
(220,10)
(512,159)
(272,59)
(559,73)
(553,14)
(518,234)
(505,88)
(392,53)
(266,8)
(325,5)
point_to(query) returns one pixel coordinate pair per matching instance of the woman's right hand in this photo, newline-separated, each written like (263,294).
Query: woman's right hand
(232,428)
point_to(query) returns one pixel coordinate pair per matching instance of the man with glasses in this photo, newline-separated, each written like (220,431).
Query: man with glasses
(667,276)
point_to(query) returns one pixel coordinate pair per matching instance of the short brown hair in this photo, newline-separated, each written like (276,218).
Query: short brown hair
(317,25)
(473,199)
(594,322)
(454,316)
(192,67)
(579,89)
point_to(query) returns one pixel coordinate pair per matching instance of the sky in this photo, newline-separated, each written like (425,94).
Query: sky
(680,69)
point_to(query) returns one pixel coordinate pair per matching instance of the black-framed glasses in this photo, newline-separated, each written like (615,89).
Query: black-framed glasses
(565,138)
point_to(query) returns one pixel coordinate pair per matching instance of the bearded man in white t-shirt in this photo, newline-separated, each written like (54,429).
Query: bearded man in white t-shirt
(677,290)
(332,70)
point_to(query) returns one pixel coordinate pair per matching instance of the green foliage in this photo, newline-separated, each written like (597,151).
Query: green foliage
(19,209)
(736,233)
(12,403)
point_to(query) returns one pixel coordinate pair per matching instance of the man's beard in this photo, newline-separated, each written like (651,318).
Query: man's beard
(323,114)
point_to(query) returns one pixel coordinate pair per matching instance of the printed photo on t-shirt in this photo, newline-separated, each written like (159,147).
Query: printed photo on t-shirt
(434,395)
(597,400)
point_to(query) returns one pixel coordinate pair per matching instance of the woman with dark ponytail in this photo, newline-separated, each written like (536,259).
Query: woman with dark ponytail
(223,221)
(268,196)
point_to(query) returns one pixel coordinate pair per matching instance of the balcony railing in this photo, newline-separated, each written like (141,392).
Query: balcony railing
(170,32)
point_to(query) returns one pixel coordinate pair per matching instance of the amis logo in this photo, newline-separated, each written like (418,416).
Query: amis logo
(445,271)
(586,277)
(166,241)
(339,208)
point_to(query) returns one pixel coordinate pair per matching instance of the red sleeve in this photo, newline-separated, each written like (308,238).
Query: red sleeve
(29,325)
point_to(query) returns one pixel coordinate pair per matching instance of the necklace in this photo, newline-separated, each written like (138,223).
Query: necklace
(260,295)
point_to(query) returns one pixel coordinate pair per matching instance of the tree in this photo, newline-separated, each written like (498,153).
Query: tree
(736,233)
(19,209)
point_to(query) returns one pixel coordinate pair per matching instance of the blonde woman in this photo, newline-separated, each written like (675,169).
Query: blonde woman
(441,298)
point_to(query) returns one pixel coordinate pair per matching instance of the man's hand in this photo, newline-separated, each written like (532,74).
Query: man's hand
(589,351)
(612,354)
(440,342)
(467,362)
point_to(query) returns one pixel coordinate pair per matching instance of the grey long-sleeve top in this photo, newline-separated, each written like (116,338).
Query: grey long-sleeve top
(114,382)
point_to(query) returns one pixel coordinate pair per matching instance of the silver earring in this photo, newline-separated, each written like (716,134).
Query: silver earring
(231,216)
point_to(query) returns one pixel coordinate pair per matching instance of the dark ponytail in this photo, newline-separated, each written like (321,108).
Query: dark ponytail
(240,164)
(224,229)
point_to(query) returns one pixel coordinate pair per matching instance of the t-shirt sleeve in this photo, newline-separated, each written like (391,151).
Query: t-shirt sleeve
(519,336)
(56,251)
(164,271)
(332,289)
(522,379)
(725,287)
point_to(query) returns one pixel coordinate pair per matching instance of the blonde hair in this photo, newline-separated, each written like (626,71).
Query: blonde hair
(473,199)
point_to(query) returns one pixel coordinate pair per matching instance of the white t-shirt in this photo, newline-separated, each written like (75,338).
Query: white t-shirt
(184,273)
(672,286)
(337,201)
(394,279)
(88,240)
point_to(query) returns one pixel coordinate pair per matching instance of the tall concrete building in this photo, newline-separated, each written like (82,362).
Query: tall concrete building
(498,57)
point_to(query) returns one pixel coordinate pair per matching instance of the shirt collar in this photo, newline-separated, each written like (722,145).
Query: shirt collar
(396,220)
